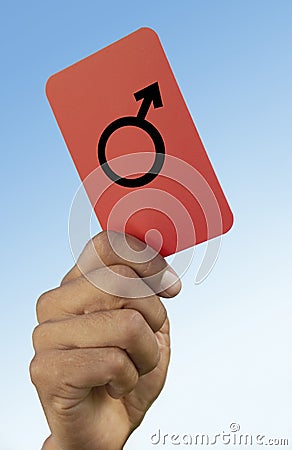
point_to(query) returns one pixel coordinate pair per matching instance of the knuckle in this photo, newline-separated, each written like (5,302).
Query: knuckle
(124,271)
(35,336)
(100,241)
(99,247)
(136,320)
(36,370)
(78,284)
(155,360)
(134,323)
(122,369)
(128,284)
(47,369)
(41,306)
(118,360)
(124,281)
(38,334)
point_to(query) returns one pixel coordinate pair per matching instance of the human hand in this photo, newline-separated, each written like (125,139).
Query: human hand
(102,345)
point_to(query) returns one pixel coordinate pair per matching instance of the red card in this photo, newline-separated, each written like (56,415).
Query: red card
(136,147)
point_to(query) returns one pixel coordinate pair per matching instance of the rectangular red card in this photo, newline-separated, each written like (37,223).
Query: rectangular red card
(136,148)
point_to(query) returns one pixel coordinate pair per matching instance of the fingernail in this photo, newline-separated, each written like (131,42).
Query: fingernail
(170,284)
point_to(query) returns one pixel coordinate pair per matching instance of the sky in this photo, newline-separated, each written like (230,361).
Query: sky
(231,335)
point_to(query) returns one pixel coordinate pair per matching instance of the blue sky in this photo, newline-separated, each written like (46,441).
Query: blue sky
(232,334)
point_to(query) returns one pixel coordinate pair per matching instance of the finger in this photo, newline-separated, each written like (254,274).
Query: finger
(123,328)
(81,296)
(149,387)
(81,369)
(110,248)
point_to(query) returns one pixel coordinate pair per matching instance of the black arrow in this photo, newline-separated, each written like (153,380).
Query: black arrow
(149,94)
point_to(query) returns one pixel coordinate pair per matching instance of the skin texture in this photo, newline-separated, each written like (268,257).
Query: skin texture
(102,345)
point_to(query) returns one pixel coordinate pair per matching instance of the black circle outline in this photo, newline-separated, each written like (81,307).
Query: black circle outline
(134,121)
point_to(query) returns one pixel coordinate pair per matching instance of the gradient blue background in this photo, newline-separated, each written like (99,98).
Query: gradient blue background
(231,335)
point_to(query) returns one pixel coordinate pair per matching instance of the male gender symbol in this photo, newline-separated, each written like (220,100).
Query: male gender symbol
(149,94)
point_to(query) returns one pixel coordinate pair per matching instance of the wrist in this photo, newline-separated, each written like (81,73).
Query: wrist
(50,444)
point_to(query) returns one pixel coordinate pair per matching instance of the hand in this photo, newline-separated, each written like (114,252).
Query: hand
(102,345)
